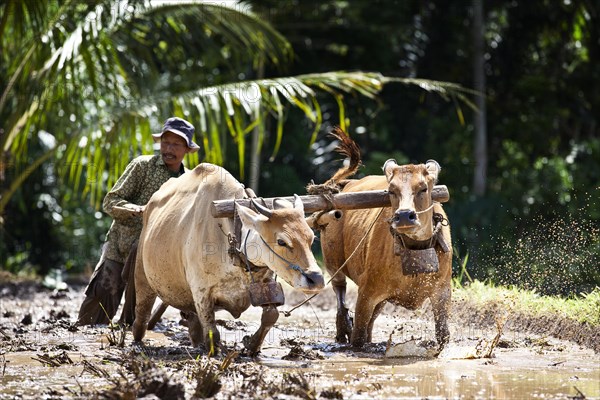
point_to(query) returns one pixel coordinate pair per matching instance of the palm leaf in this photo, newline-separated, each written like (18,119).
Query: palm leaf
(98,79)
(231,104)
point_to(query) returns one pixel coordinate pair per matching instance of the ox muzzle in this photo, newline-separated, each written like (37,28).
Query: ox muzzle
(405,219)
(310,281)
(315,280)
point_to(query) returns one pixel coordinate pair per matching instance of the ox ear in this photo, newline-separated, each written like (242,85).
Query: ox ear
(250,217)
(434,169)
(388,168)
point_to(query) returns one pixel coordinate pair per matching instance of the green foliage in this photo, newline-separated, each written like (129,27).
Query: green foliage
(542,129)
(537,227)
(46,227)
(536,224)
(96,78)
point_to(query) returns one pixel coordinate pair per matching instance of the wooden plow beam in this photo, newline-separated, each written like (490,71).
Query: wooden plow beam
(339,201)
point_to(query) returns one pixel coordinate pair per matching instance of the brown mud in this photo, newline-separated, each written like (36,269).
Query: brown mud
(43,356)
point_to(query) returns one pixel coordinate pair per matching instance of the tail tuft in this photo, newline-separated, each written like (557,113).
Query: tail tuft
(348,148)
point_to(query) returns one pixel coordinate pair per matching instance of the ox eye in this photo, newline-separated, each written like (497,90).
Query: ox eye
(423,191)
(281,242)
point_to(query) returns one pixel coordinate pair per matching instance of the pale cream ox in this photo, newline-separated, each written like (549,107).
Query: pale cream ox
(183,254)
(377,266)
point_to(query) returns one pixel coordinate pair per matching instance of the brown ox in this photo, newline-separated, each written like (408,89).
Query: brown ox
(377,266)
(183,254)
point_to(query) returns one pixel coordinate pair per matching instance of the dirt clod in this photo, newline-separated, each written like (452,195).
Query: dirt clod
(331,394)
(299,353)
(27,320)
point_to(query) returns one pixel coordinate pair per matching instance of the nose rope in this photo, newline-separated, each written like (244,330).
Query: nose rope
(291,265)
(428,208)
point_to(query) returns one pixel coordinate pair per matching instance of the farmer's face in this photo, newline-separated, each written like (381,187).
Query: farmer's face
(172,149)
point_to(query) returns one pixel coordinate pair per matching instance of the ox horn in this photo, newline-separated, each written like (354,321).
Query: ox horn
(433,167)
(298,202)
(261,209)
(387,166)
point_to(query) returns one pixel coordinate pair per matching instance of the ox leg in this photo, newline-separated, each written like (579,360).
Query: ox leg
(343,322)
(376,313)
(157,314)
(440,302)
(269,317)
(144,301)
(365,308)
(195,330)
(207,326)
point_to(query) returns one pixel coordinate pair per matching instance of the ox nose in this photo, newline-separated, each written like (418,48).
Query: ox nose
(314,279)
(405,218)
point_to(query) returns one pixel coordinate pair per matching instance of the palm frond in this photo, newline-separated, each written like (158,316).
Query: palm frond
(446,90)
(236,108)
(102,53)
(111,72)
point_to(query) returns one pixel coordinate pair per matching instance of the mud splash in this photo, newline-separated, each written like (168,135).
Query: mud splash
(41,355)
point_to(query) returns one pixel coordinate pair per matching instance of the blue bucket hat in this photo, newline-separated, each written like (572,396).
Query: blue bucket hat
(181,128)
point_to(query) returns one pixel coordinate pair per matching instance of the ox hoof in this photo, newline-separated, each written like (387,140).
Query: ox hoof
(359,338)
(342,339)
(358,343)
(251,346)
(443,342)
(343,324)
(137,346)
(442,335)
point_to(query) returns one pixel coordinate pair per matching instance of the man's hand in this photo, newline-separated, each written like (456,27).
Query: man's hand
(135,208)
(128,210)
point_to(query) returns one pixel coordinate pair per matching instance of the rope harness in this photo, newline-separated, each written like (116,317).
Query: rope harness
(244,257)
(403,246)
(289,312)
(290,265)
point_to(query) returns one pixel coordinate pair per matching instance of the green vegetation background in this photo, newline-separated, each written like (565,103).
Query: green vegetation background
(537,224)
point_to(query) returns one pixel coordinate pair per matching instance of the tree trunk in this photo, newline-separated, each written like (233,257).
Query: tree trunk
(255,150)
(480,172)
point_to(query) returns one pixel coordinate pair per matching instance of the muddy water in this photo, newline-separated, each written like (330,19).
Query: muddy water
(545,369)
(414,377)
(523,366)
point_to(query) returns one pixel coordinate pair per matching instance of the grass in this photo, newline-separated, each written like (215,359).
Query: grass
(583,308)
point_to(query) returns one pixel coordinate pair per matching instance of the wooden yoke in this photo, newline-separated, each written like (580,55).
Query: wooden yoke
(339,201)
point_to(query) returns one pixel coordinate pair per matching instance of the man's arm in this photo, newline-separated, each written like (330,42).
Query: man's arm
(118,202)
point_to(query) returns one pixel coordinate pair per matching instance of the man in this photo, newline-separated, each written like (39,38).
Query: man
(125,204)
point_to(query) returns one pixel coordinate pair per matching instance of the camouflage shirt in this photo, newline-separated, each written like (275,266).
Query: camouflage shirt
(142,177)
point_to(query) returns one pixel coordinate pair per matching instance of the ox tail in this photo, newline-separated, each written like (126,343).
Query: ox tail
(348,148)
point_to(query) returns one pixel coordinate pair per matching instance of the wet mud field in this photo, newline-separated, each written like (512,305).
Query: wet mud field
(43,356)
